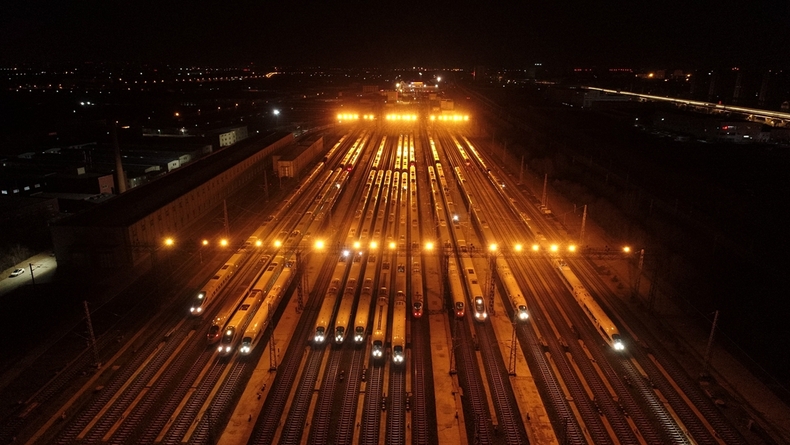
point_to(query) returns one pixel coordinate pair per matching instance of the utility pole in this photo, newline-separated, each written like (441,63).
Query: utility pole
(710,344)
(513,348)
(545,182)
(32,278)
(639,273)
(91,335)
(584,221)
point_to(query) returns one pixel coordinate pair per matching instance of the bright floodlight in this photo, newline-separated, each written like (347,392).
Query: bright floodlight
(345,253)
(626,249)
(535,247)
(392,244)
(554,247)
(428,246)
(205,242)
(169,242)
(492,247)
(319,244)
(276,112)
(258,243)
(223,242)
(518,247)
(571,248)
(278,243)
(356,244)
(373,244)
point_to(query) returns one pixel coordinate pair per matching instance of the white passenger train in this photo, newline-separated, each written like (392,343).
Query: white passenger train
(603,324)
(399,329)
(512,290)
(379,336)
(214,286)
(256,328)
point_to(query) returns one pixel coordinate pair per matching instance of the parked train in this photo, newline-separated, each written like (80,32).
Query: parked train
(343,318)
(399,329)
(256,328)
(512,290)
(214,286)
(379,336)
(363,310)
(456,289)
(327,311)
(475,293)
(234,329)
(597,316)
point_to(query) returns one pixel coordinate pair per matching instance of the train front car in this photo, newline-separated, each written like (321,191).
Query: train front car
(324,320)
(456,289)
(379,336)
(399,330)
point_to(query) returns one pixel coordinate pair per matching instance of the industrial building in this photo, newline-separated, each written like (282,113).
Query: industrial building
(126,230)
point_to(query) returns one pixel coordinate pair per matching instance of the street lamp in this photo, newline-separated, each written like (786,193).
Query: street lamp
(277,116)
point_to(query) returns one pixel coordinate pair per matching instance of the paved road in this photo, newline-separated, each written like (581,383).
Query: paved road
(44,265)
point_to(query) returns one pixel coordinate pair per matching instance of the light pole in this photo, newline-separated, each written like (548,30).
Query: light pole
(32,278)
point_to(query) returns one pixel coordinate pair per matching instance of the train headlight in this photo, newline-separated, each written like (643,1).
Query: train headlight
(244,349)
(398,358)
(377,353)
(319,338)
(338,338)
(523,316)
(359,338)
(619,346)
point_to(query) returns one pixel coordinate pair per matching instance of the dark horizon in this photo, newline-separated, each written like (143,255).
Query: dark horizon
(357,35)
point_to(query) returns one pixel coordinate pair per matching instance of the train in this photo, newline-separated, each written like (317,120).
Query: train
(399,329)
(214,286)
(233,330)
(379,336)
(343,317)
(456,289)
(512,290)
(326,312)
(603,324)
(363,309)
(475,293)
(434,151)
(258,324)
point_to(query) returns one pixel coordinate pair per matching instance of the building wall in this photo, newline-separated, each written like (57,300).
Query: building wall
(135,243)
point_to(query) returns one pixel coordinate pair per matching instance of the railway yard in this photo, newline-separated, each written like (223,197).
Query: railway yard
(406,289)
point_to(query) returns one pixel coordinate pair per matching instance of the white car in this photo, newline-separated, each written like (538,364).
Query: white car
(16,273)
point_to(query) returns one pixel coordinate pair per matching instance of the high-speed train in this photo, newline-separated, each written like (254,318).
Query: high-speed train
(256,328)
(416,290)
(475,293)
(214,286)
(363,311)
(325,314)
(343,317)
(456,289)
(603,324)
(379,336)
(399,329)
(513,291)
(235,327)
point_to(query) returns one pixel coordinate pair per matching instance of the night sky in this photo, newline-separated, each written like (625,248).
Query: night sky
(669,33)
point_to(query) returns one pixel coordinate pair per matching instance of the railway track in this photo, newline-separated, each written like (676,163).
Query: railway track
(505,404)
